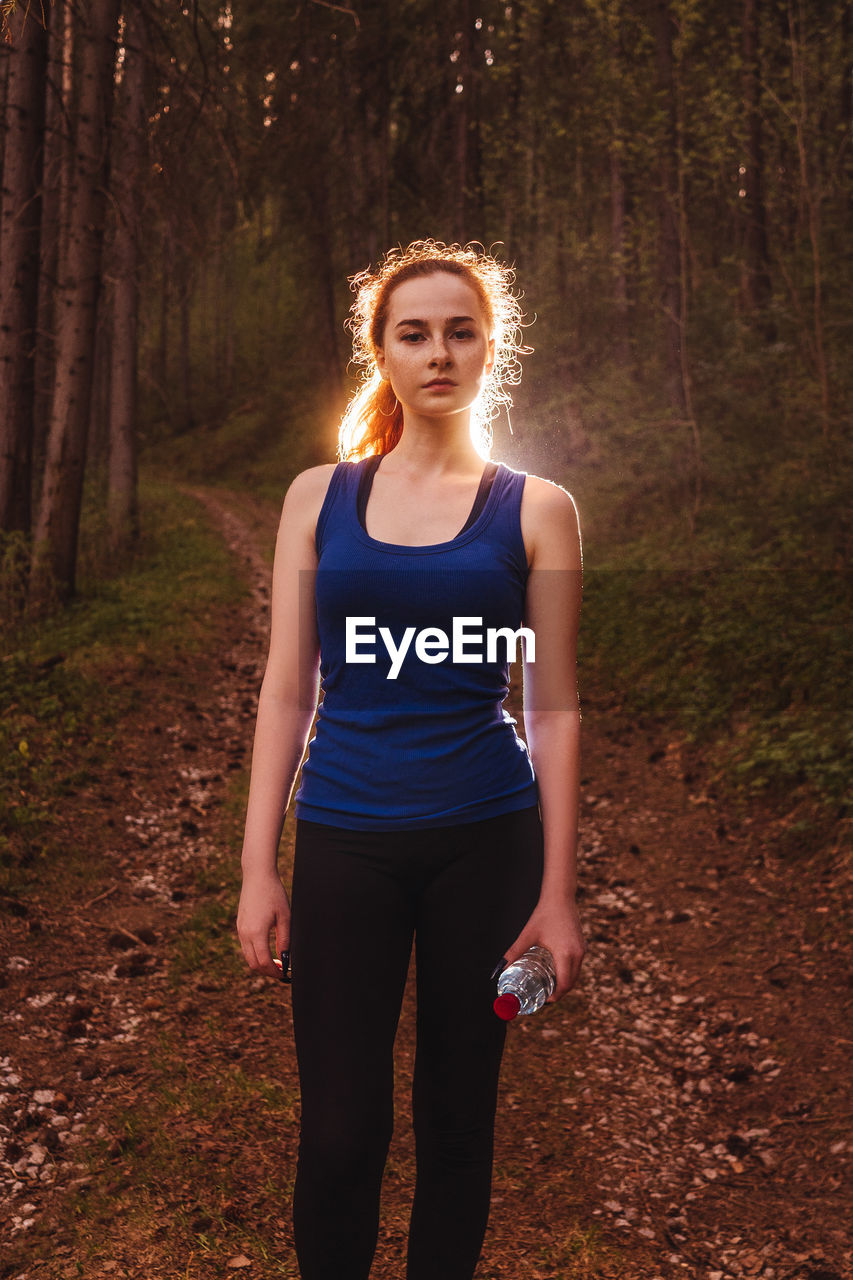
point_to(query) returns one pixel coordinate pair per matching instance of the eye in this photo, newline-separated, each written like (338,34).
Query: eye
(463,333)
(412,337)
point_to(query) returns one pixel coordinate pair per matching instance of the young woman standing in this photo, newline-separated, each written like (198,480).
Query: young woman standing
(421,814)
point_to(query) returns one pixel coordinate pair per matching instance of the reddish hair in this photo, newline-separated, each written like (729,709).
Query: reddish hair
(373,420)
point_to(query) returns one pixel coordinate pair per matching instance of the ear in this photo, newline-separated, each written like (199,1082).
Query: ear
(379,357)
(490,358)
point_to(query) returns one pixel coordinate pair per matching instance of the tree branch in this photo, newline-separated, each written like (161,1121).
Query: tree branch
(339,8)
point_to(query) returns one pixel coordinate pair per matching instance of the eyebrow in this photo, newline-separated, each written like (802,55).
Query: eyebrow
(422,324)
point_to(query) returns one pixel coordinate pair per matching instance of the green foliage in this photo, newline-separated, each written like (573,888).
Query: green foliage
(66,682)
(14,572)
(171,1154)
(257,447)
(757,663)
(206,945)
(275,416)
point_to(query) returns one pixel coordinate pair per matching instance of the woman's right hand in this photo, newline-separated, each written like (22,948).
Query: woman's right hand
(264,906)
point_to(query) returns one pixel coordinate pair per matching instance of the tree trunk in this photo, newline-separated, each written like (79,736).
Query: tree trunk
(57,529)
(55,144)
(618,199)
(468,211)
(669,256)
(20,234)
(127,176)
(215,307)
(378,143)
(756,286)
(99,396)
(161,352)
(845,160)
(618,250)
(811,189)
(184,299)
(57,168)
(322,240)
(4,80)
(530,35)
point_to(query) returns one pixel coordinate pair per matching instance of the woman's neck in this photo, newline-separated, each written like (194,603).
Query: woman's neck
(430,446)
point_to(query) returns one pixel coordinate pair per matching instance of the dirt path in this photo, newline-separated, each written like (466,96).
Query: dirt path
(685,1112)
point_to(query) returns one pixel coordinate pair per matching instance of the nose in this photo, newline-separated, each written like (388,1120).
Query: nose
(440,352)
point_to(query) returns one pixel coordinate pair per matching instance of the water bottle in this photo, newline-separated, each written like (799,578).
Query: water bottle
(525,985)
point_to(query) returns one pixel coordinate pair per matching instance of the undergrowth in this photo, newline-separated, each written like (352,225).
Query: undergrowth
(66,682)
(179,1165)
(733,624)
(753,665)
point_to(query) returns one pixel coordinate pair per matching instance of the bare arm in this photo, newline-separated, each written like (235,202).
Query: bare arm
(552,719)
(286,707)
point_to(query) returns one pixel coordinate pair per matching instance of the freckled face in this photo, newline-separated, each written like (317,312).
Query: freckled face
(437,348)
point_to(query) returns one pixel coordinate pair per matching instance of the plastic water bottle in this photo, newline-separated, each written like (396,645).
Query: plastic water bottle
(525,985)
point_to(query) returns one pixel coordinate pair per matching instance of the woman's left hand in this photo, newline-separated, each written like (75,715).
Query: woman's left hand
(557,926)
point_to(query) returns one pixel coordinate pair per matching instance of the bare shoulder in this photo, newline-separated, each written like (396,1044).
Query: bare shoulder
(548,496)
(549,524)
(309,485)
(306,493)
(301,510)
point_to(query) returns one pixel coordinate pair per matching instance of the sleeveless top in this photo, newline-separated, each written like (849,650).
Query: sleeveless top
(411,731)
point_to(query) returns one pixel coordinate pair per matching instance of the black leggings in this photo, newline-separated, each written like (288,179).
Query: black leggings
(359,897)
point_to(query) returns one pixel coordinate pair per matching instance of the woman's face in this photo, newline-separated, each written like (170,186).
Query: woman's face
(437,348)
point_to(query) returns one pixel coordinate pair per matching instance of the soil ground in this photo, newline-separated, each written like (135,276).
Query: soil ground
(685,1112)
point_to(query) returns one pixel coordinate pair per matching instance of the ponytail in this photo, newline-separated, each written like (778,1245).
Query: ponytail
(372,421)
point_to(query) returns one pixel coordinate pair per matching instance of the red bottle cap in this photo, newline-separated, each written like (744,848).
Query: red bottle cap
(507,1006)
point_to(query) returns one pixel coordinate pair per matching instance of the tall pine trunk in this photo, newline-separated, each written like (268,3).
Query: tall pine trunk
(54,222)
(20,234)
(756,286)
(669,245)
(127,175)
(812,193)
(618,249)
(468,208)
(618,199)
(186,282)
(58,524)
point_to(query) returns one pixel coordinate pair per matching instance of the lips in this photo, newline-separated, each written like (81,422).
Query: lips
(441,382)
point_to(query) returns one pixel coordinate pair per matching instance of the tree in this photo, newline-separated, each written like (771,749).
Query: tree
(57,527)
(58,161)
(128,172)
(756,285)
(20,232)
(669,251)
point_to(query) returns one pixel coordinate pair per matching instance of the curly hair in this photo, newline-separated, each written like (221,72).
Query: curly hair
(373,420)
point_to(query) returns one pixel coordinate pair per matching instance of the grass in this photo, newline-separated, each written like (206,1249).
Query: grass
(206,944)
(66,683)
(739,637)
(179,1168)
(756,663)
(206,940)
(754,666)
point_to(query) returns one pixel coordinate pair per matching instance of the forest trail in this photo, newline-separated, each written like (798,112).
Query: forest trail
(684,1113)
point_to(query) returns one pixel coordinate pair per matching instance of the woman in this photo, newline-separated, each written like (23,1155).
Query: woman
(420,814)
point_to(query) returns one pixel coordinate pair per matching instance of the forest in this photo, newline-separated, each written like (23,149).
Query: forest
(187,190)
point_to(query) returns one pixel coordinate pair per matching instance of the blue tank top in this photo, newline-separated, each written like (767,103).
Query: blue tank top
(417,736)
